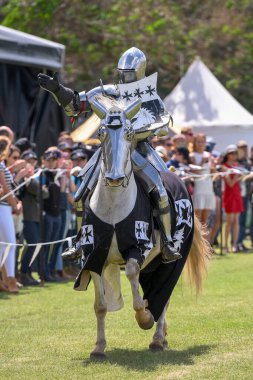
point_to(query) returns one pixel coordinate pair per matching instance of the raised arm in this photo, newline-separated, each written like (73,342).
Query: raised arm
(70,100)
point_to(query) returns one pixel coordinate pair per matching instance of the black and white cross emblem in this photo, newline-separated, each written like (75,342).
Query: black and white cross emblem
(141,229)
(138,92)
(150,91)
(87,234)
(127,96)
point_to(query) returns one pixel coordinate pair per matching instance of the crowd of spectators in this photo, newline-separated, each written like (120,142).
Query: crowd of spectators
(37,204)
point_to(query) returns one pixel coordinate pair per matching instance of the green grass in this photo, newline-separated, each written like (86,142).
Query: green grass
(48,333)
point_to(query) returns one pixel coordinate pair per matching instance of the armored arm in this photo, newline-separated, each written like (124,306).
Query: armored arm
(107,90)
(72,102)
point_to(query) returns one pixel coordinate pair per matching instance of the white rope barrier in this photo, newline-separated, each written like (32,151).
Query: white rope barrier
(189,175)
(35,244)
(35,175)
(184,174)
(181,173)
(21,184)
(37,249)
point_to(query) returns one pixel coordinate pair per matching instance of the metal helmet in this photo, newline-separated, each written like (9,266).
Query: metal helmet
(132,65)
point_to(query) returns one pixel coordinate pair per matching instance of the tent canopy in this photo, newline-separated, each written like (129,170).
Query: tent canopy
(29,111)
(200,100)
(27,50)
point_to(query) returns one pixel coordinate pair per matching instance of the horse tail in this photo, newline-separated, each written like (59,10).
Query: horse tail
(198,257)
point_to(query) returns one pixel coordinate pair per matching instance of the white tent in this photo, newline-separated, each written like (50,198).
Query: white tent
(199,100)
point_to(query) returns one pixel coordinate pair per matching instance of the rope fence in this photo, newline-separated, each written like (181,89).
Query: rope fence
(185,175)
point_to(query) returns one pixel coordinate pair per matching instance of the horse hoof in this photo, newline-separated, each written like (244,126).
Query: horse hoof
(98,356)
(144,319)
(156,347)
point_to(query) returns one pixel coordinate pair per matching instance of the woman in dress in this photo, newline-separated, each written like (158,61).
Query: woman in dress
(232,198)
(203,195)
(8,205)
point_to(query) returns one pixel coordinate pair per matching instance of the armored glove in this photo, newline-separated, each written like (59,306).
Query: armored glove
(62,95)
(48,83)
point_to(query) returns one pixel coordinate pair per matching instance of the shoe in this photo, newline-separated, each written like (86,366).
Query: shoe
(34,282)
(27,280)
(170,253)
(72,253)
(12,285)
(234,249)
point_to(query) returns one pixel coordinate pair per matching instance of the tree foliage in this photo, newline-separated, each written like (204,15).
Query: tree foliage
(170,32)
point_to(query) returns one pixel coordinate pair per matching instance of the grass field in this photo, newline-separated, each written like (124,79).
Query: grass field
(48,333)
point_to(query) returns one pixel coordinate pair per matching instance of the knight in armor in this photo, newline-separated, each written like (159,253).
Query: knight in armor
(147,164)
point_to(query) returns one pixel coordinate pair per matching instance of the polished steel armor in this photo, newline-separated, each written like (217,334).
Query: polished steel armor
(132,65)
(146,162)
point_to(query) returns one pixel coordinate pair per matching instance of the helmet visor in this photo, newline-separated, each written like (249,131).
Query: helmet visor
(127,76)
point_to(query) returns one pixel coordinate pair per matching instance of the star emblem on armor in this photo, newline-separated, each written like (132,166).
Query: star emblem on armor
(150,91)
(127,96)
(138,92)
(87,234)
(138,230)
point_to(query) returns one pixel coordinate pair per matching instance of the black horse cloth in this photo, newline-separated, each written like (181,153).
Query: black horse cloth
(133,237)
(158,279)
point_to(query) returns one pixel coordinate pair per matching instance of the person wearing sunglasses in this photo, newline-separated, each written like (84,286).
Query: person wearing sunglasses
(188,133)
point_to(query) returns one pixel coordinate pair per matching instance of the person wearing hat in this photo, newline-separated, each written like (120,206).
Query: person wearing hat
(24,144)
(51,206)
(79,159)
(66,148)
(31,217)
(232,198)
(30,157)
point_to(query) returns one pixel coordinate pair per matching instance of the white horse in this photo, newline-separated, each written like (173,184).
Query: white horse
(111,202)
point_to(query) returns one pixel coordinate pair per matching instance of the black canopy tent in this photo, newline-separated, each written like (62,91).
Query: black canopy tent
(29,111)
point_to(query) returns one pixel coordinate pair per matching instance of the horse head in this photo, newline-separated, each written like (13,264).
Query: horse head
(116,134)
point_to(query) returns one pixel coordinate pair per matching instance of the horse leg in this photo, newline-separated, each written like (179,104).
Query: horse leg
(100,311)
(143,316)
(159,341)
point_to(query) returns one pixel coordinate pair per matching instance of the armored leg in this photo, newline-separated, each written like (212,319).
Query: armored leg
(147,172)
(75,252)
(163,217)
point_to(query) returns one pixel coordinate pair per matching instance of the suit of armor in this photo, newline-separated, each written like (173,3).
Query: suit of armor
(146,162)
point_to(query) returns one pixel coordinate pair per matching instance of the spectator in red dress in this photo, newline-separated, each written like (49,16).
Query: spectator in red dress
(232,198)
